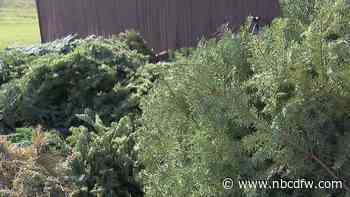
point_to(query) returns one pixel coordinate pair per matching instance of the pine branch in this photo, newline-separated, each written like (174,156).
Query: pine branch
(324,166)
(317,160)
(176,99)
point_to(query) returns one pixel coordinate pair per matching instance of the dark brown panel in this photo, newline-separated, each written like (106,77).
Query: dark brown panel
(165,24)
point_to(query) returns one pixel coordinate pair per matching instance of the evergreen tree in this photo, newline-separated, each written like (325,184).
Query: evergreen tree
(250,107)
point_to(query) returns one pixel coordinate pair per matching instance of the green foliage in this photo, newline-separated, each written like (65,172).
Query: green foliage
(12,66)
(254,107)
(22,136)
(135,42)
(105,164)
(93,82)
(57,143)
(251,107)
(190,141)
(305,88)
(300,10)
(94,74)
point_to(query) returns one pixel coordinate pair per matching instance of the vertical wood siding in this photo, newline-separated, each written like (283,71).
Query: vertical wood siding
(165,24)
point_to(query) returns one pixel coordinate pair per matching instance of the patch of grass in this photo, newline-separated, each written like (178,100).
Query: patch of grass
(18,23)
(18,34)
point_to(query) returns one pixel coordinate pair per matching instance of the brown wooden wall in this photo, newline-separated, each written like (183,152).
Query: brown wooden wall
(164,24)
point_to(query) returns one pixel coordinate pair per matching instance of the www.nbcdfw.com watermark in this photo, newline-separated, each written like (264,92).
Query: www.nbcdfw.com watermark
(229,184)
